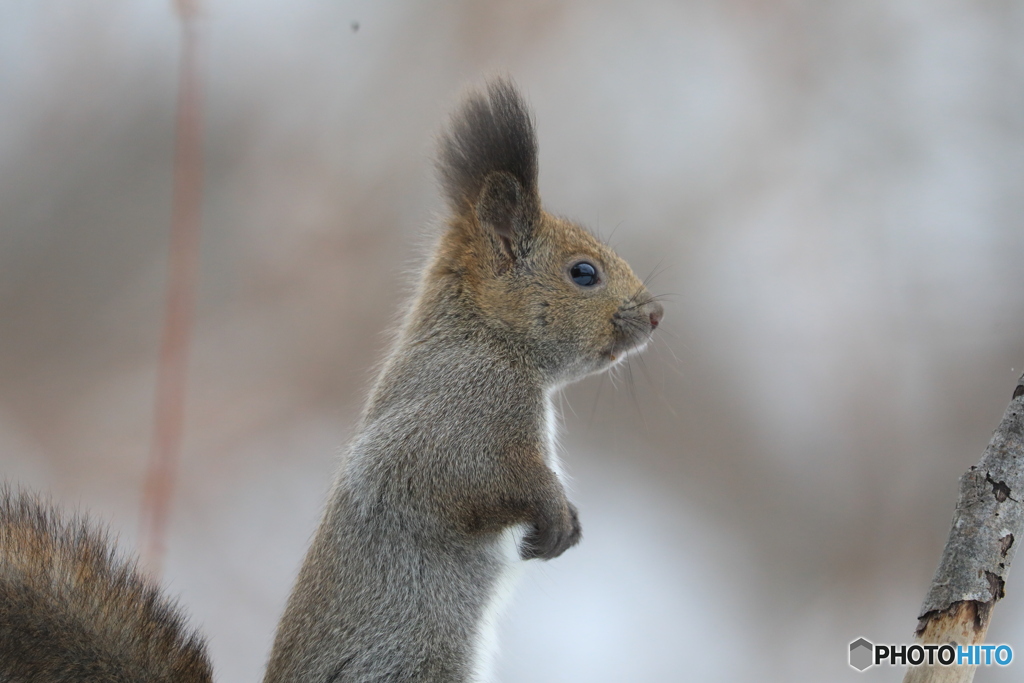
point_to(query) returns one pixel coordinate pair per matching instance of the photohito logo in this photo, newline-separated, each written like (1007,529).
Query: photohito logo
(865,654)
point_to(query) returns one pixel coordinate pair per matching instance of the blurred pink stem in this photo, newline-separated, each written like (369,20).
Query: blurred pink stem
(181,294)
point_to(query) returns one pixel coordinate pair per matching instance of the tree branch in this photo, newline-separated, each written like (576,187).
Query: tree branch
(988,520)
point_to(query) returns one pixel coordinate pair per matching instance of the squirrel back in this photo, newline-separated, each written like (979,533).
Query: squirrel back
(72,610)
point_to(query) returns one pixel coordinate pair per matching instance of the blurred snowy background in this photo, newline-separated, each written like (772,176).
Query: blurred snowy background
(833,193)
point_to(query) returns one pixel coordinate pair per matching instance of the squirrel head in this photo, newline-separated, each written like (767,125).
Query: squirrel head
(544,286)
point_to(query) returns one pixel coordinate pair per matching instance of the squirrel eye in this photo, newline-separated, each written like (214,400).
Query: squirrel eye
(584,274)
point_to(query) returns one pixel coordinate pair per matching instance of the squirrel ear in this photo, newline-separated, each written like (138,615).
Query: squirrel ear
(488,156)
(506,209)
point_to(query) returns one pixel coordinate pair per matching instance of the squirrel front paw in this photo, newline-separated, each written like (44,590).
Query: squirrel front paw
(552,536)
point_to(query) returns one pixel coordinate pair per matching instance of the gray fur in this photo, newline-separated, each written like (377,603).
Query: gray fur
(453,451)
(392,590)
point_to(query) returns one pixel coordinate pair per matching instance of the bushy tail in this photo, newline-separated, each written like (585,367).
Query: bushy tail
(72,610)
(488,134)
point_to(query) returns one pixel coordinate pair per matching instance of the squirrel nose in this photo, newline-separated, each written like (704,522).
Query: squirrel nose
(657,311)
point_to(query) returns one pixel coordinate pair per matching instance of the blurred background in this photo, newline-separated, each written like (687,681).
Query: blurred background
(831,197)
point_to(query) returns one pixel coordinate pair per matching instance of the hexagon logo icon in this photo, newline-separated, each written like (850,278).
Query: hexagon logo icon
(860,654)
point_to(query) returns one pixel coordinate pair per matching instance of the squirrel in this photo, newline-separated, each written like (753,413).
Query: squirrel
(451,480)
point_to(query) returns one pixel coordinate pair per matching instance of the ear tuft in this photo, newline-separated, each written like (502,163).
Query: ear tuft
(489,134)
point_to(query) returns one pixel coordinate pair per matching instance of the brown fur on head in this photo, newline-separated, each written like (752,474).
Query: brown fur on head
(512,263)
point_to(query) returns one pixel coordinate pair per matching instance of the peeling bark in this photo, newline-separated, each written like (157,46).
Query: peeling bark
(976,560)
